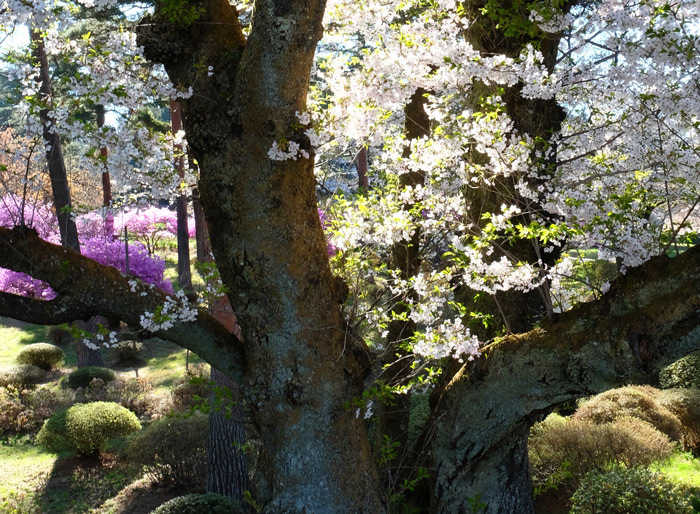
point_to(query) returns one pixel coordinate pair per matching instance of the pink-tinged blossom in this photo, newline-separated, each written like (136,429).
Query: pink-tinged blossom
(37,216)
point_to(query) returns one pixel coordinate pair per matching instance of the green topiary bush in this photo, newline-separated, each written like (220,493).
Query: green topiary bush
(635,401)
(21,376)
(41,355)
(87,427)
(128,351)
(684,373)
(209,503)
(173,450)
(563,450)
(82,377)
(629,491)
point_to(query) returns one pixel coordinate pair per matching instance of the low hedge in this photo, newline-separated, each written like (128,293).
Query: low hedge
(42,355)
(82,377)
(21,376)
(173,450)
(629,491)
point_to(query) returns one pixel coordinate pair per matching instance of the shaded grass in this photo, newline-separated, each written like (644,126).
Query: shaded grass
(164,362)
(24,469)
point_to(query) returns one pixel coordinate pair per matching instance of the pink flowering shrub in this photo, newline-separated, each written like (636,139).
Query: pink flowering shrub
(148,268)
(148,225)
(24,285)
(325,223)
(91,227)
(39,216)
(96,223)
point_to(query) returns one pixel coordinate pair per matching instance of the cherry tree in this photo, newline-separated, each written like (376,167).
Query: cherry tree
(501,135)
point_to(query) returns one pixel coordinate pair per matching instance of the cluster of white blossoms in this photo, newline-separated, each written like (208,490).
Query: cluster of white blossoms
(617,176)
(292,149)
(173,311)
(94,341)
(621,174)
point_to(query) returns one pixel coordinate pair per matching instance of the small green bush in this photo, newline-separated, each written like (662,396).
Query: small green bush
(21,376)
(563,450)
(173,450)
(684,373)
(128,351)
(639,402)
(82,377)
(629,491)
(190,391)
(87,427)
(208,503)
(41,355)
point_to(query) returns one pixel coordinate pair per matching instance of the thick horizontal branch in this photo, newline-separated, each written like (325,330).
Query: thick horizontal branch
(86,288)
(42,312)
(648,318)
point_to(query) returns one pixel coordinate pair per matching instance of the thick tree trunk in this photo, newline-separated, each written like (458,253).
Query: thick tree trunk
(270,248)
(88,356)
(54,152)
(106,180)
(362,166)
(204,253)
(59,183)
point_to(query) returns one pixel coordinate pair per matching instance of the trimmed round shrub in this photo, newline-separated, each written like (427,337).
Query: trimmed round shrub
(87,427)
(82,377)
(173,450)
(563,450)
(128,351)
(41,355)
(21,376)
(635,401)
(685,403)
(629,491)
(684,373)
(209,503)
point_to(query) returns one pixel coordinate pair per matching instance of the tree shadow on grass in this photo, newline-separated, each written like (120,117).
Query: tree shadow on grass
(104,483)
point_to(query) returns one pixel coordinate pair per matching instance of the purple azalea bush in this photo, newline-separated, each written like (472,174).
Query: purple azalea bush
(94,244)
(325,223)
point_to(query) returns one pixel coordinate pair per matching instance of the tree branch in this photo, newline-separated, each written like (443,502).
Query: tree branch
(42,312)
(649,318)
(86,288)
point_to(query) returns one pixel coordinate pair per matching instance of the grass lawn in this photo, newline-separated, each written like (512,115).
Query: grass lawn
(15,335)
(682,467)
(24,469)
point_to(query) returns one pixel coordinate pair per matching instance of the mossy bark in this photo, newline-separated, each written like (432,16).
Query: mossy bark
(650,317)
(270,248)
